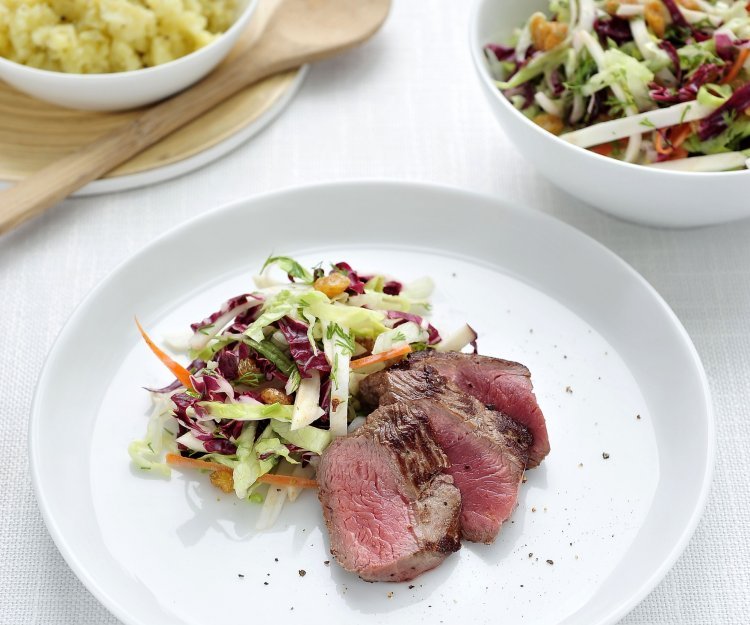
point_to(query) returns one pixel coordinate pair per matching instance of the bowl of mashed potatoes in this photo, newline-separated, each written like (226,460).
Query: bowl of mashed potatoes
(107,55)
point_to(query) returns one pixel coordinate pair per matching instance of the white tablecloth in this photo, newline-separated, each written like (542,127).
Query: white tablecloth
(406,106)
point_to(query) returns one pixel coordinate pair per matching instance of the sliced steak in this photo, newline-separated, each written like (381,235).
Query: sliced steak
(502,384)
(391,512)
(486,449)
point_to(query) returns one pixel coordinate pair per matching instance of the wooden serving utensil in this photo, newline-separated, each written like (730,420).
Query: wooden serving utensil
(298,32)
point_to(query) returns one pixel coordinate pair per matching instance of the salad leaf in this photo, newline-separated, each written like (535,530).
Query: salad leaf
(361,321)
(280,306)
(307,437)
(144,458)
(290,266)
(267,447)
(247,411)
(631,74)
(536,67)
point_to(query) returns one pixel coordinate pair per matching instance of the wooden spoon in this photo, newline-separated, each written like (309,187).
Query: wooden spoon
(299,32)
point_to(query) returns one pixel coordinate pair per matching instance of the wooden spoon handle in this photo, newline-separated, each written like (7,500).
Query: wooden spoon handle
(56,181)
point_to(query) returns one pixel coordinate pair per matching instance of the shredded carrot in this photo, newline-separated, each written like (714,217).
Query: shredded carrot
(192,463)
(382,357)
(678,153)
(287,480)
(678,134)
(178,461)
(182,374)
(736,67)
(605,149)
(659,144)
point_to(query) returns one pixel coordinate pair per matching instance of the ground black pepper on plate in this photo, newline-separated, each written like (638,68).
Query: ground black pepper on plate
(302,572)
(326,562)
(605,455)
(550,562)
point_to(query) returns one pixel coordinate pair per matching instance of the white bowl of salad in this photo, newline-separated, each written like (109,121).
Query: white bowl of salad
(638,107)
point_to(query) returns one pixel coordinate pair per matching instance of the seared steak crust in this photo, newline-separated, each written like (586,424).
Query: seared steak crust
(404,431)
(486,449)
(501,384)
(390,510)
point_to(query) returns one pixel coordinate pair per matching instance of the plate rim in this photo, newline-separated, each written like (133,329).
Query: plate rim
(618,611)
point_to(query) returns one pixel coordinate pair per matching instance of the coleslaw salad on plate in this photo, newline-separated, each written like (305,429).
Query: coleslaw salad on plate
(662,83)
(274,374)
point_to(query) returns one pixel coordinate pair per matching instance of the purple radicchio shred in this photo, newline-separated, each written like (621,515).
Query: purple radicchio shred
(432,333)
(254,395)
(187,423)
(225,308)
(615,28)
(556,83)
(183,401)
(674,57)
(268,368)
(247,317)
(295,332)
(193,367)
(213,388)
(220,446)
(706,73)
(716,122)
(392,287)
(231,428)
(356,282)
(229,364)
(526,90)
(678,19)
(724,46)
(501,53)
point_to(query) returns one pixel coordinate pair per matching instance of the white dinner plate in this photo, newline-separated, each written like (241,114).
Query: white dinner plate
(598,524)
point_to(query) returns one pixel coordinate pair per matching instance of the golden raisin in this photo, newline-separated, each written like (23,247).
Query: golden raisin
(690,4)
(611,6)
(546,35)
(657,17)
(223,480)
(332,285)
(275,396)
(551,123)
(247,365)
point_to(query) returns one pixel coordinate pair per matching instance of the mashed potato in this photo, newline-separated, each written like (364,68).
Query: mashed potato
(99,36)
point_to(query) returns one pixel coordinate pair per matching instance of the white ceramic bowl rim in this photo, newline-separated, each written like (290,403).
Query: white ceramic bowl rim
(240,21)
(477,55)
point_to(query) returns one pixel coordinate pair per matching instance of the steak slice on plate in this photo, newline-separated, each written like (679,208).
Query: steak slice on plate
(502,384)
(486,449)
(391,512)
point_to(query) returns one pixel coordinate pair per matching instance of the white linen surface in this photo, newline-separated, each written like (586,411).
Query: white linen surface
(406,106)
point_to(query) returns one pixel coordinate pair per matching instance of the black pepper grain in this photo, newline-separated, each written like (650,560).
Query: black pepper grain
(302,572)
(605,455)
(550,562)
